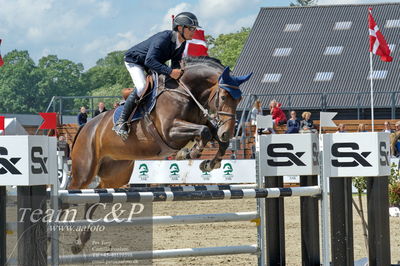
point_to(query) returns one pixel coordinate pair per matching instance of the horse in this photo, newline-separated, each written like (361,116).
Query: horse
(199,107)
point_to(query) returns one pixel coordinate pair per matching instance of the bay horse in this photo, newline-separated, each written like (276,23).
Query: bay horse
(201,106)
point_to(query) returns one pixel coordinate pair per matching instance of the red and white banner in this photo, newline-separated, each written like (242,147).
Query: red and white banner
(1,59)
(377,43)
(197,46)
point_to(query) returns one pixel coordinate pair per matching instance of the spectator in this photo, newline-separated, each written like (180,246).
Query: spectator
(62,145)
(116,104)
(101,109)
(341,128)
(307,125)
(278,116)
(387,127)
(82,116)
(293,124)
(395,141)
(257,110)
(361,128)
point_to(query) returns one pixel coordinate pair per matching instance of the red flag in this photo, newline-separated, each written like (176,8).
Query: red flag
(1,59)
(2,123)
(49,121)
(377,43)
(197,46)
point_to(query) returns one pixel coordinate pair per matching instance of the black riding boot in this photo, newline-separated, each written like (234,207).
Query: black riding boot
(122,127)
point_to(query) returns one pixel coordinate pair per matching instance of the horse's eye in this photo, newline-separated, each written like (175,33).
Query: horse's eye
(223,98)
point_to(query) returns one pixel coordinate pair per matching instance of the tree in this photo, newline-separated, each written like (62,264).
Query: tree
(59,77)
(227,47)
(303,3)
(18,83)
(109,71)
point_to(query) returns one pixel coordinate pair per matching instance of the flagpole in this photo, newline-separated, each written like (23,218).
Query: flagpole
(372,91)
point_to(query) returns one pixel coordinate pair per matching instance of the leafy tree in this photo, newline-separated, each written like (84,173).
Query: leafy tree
(59,77)
(109,71)
(227,47)
(303,3)
(18,83)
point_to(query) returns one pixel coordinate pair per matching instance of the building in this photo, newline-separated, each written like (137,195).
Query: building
(317,58)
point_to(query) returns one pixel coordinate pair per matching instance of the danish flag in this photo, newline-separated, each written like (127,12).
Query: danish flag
(377,43)
(197,46)
(1,59)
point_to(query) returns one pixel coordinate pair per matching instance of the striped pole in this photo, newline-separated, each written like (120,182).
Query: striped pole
(121,197)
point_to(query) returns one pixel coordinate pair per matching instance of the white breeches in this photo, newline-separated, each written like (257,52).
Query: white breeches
(138,76)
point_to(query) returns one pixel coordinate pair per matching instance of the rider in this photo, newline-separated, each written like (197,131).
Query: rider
(152,54)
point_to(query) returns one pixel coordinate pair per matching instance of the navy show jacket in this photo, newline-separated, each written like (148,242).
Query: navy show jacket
(155,51)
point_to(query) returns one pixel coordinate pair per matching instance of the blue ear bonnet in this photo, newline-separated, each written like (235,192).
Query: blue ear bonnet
(231,84)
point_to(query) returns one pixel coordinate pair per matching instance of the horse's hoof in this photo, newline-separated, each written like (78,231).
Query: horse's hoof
(217,165)
(76,248)
(205,166)
(183,154)
(195,153)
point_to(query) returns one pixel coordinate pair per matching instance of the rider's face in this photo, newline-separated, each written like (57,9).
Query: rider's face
(189,32)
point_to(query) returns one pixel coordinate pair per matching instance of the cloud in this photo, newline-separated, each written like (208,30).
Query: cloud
(104,45)
(221,8)
(224,26)
(126,40)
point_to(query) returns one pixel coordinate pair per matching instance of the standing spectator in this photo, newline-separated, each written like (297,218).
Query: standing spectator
(101,109)
(82,116)
(116,104)
(307,125)
(278,116)
(62,145)
(293,124)
(361,128)
(387,127)
(341,128)
(257,110)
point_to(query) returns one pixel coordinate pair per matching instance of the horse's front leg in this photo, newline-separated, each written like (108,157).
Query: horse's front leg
(183,131)
(215,163)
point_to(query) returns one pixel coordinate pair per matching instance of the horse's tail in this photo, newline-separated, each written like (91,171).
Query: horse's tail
(76,136)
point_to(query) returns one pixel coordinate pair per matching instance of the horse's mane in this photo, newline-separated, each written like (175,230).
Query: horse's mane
(203,60)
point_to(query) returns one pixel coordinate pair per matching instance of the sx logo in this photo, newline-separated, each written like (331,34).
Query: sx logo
(294,158)
(358,158)
(8,165)
(39,160)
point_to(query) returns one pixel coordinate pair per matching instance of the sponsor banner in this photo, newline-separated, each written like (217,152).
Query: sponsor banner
(357,154)
(289,154)
(28,160)
(188,171)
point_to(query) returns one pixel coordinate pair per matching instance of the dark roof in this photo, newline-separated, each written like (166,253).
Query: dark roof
(298,70)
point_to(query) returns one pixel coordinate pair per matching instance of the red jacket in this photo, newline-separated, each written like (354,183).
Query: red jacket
(278,115)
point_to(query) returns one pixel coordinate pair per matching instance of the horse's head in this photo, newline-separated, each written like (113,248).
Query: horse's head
(217,91)
(226,97)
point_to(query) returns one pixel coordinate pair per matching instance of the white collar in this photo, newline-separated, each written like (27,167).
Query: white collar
(178,43)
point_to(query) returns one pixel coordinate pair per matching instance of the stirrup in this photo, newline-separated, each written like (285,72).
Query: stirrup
(120,131)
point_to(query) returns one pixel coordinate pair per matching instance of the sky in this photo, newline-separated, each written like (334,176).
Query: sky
(86,30)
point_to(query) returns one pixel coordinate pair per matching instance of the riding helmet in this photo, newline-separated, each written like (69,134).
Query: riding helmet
(185,19)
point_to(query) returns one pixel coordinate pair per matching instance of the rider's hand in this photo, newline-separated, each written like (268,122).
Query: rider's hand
(176,73)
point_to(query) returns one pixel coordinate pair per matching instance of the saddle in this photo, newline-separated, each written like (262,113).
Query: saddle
(146,102)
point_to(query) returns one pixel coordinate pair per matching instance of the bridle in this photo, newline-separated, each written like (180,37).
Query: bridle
(214,119)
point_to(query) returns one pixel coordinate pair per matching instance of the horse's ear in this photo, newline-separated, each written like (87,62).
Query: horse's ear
(225,74)
(242,79)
